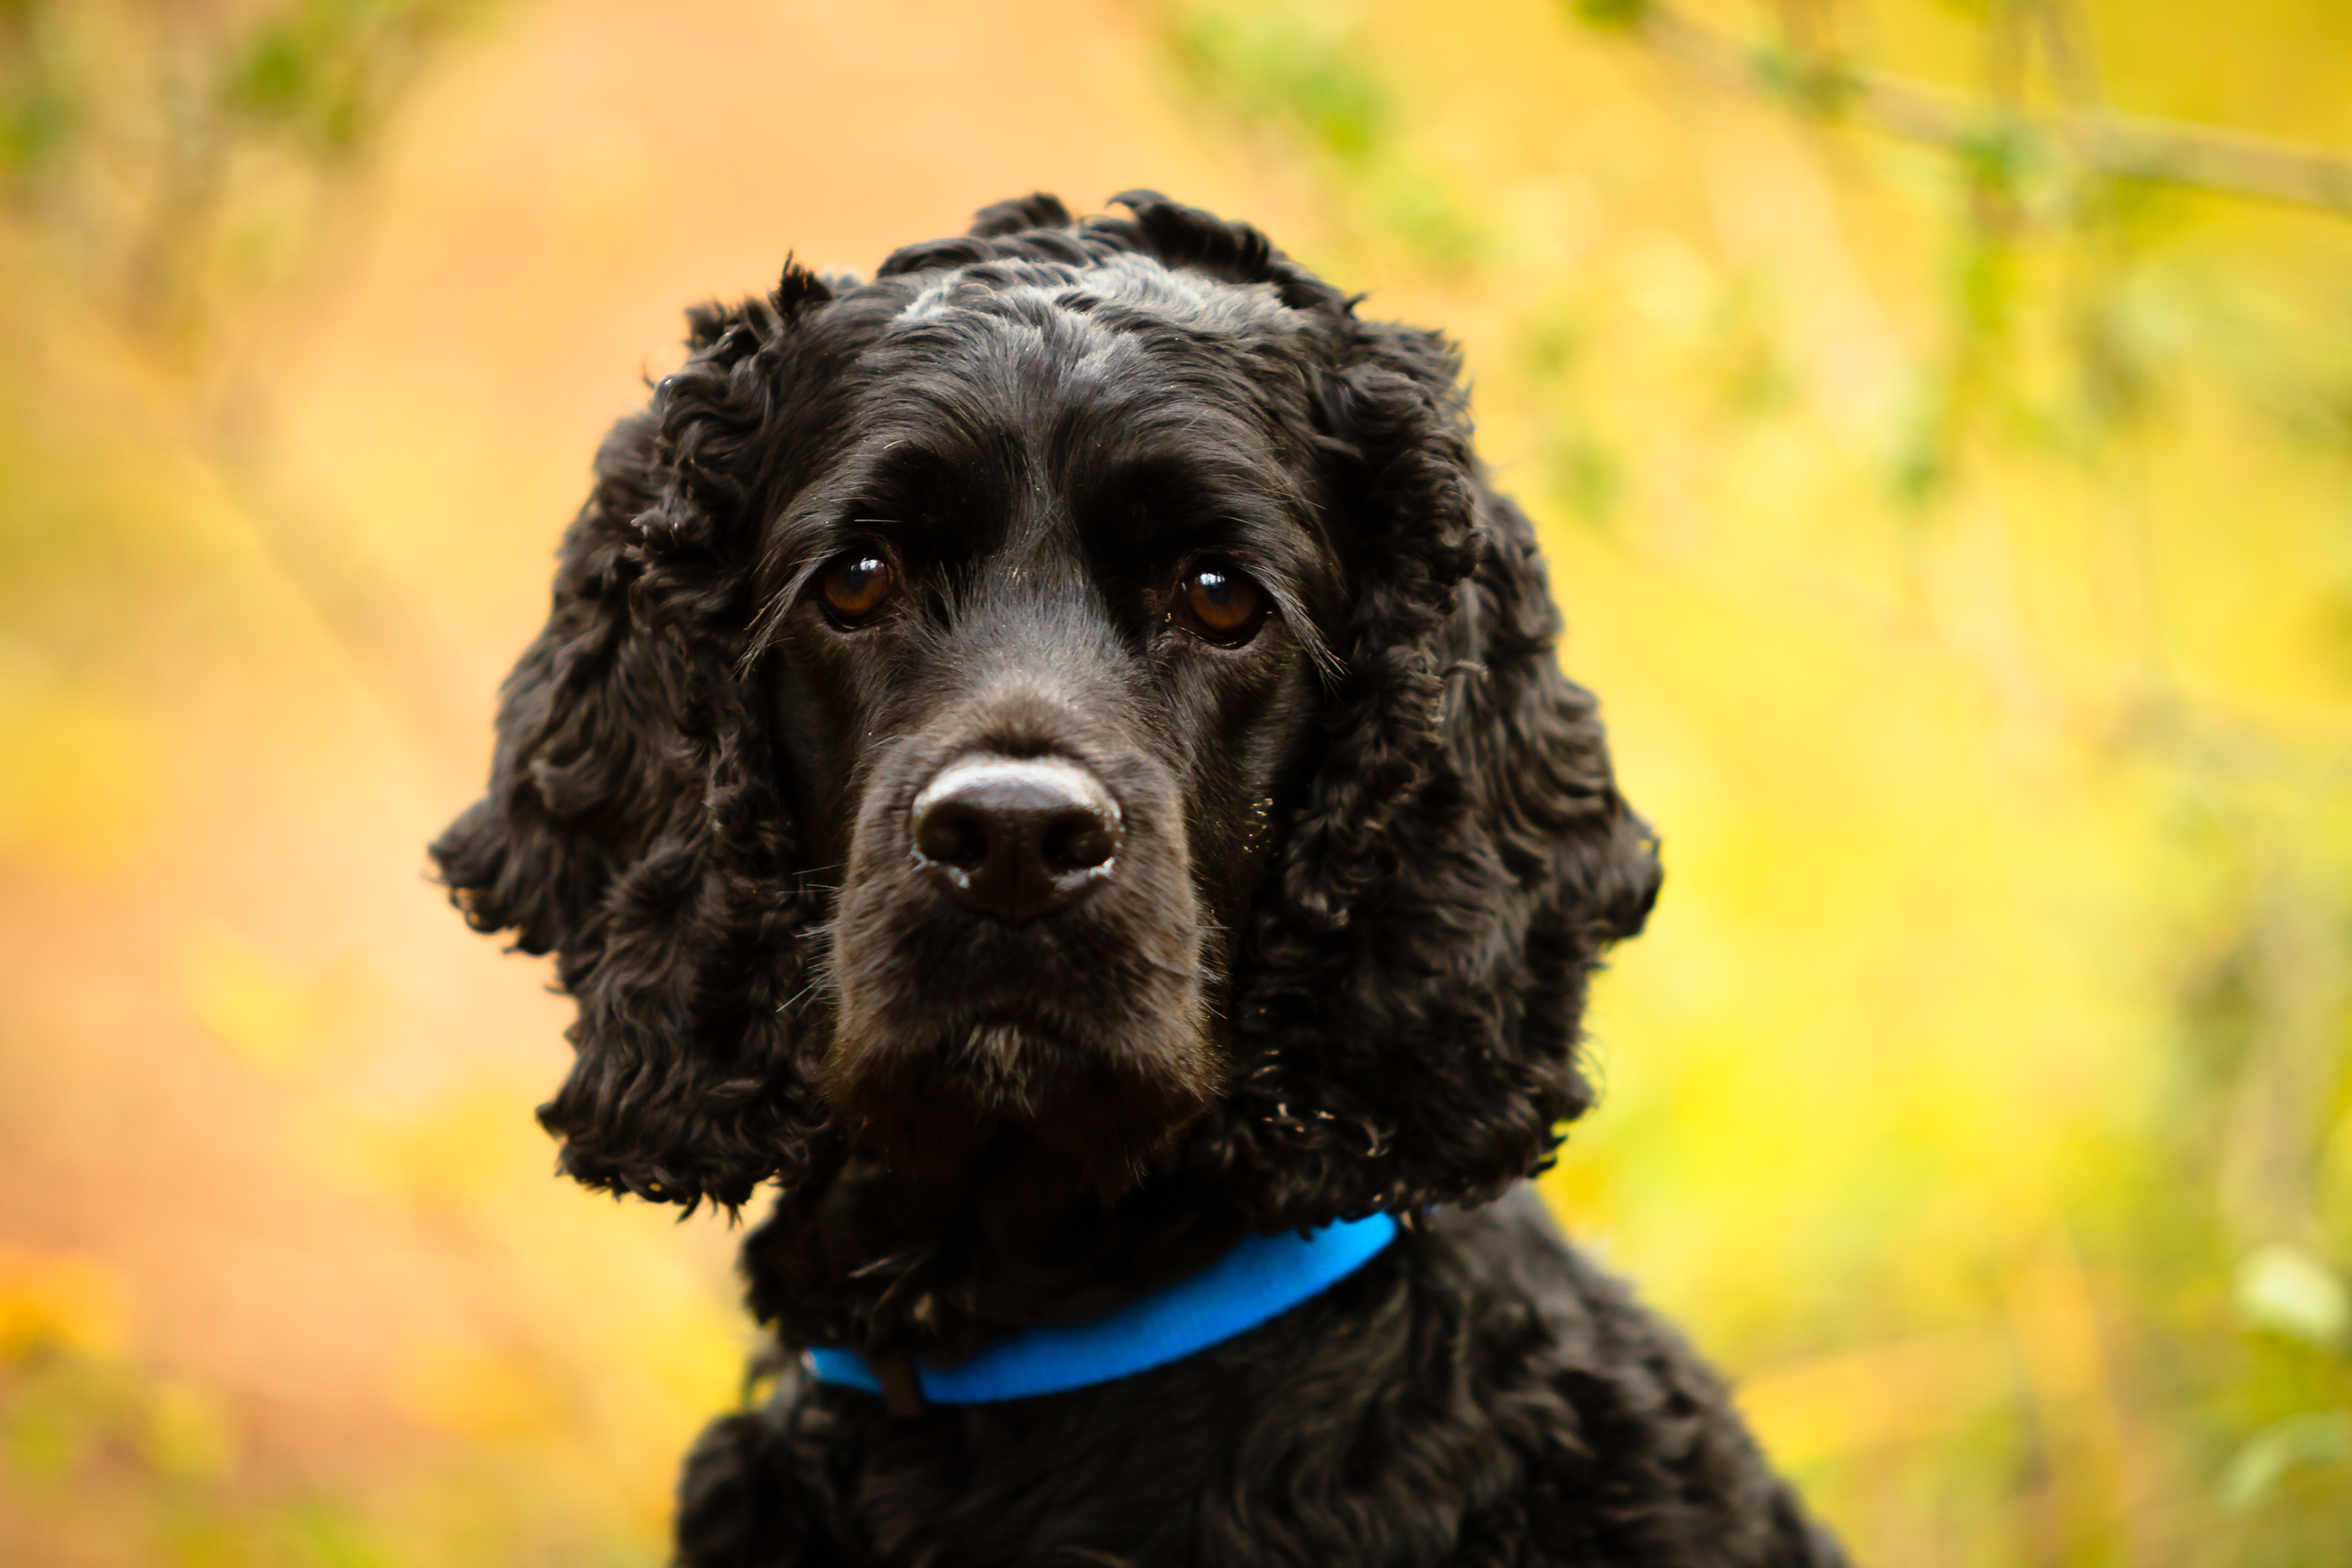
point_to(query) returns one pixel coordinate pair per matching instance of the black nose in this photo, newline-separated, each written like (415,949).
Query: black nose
(1017,837)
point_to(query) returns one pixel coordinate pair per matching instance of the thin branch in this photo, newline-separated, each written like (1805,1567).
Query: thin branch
(2126,146)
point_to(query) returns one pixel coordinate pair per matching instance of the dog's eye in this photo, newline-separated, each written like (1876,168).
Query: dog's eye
(856,585)
(1220,604)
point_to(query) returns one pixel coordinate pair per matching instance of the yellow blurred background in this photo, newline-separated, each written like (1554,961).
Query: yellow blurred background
(1959,536)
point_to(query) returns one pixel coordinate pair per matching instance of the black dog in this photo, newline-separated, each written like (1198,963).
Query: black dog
(1054,757)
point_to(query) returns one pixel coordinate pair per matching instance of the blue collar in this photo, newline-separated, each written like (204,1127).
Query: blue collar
(1260,1278)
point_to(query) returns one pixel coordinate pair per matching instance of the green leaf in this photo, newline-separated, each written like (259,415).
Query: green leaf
(1285,66)
(1620,14)
(2286,1292)
(2315,1438)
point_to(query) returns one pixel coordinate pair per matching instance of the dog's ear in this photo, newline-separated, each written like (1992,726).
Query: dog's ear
(1407,1013)
(631,826)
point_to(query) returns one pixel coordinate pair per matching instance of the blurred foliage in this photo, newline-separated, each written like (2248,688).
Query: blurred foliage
(1966,562)
(177,151)
(1946,486)
(129,1459)
(1293,74)
(179,622)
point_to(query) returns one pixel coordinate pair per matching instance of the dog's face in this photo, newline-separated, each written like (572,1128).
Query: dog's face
(1076,687)
(1042,626)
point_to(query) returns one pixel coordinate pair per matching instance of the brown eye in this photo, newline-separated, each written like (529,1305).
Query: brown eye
(855,586)
(1222,604)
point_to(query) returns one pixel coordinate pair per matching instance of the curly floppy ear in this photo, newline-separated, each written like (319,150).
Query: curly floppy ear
(1408,1013)
(630,827)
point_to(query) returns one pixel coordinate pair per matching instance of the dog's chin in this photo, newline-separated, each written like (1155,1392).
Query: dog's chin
(932,1105)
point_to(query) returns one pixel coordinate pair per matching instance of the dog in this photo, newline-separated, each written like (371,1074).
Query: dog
(1054,757)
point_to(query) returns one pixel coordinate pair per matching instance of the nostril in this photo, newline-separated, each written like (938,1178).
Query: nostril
(1077,841)
(952,833)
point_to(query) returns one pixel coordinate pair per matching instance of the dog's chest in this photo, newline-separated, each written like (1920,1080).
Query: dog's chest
(1330,1434)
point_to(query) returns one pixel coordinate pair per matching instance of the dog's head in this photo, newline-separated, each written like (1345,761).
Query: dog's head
(1075,689)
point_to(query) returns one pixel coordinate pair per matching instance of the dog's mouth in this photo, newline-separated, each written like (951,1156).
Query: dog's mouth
(933,1105)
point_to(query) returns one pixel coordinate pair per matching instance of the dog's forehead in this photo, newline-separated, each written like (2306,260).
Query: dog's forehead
(1129,334)
(1140,284)
(1003,404)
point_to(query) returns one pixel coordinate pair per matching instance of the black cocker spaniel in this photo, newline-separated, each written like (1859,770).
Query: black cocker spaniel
(1054,757)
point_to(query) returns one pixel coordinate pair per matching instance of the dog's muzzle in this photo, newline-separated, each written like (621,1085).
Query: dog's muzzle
(1017,944)
(1015,838)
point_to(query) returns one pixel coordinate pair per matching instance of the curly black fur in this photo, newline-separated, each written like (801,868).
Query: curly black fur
(1372,853)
